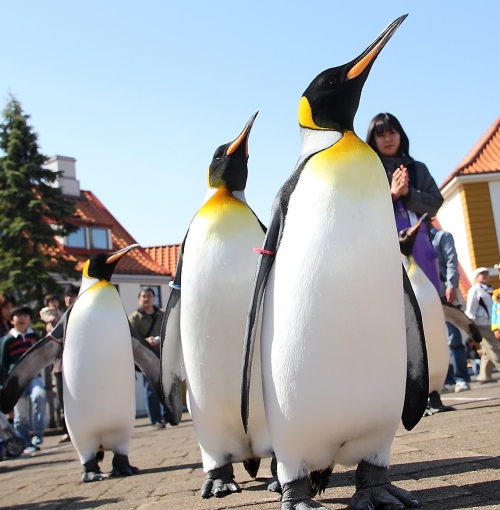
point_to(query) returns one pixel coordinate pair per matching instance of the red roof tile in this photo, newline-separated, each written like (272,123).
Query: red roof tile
(484,157)
(166,256)
(91,212)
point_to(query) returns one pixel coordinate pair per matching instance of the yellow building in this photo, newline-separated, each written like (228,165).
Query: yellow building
(471,208)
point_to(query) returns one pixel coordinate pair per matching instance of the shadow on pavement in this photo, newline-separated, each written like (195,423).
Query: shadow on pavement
(63,504)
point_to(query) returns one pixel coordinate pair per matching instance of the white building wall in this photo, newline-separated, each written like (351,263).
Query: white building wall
(451,218)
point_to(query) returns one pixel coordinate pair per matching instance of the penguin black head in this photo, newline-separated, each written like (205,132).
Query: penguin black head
(332,98)
(408,236)
(102,265)
(229,165)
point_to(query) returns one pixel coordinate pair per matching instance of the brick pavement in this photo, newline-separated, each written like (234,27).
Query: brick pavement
(450,461)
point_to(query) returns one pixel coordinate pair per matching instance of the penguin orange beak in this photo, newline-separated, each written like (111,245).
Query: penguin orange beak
(243,136)
(371,53)
(120,253)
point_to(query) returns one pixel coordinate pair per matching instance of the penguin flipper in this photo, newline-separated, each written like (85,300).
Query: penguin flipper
(147,359)
(417,370)
(458,318)
(171,360)
(32,362)
(264,265)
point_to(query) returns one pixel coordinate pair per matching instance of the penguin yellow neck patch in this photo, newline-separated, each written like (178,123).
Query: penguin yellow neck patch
(305,115)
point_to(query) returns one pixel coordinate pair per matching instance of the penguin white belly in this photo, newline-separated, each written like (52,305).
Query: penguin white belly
(217,278)
(436,341)
(333,332)
(98,373)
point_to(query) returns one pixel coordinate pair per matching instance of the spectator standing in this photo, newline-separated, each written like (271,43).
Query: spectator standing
(495,314)
(70,295)
(414,192)
(479,309)
(51,314)
(7,303)
(19,340)
(448,275)
(147,320)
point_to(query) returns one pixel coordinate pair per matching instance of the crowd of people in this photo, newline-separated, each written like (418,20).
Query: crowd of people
(414,194)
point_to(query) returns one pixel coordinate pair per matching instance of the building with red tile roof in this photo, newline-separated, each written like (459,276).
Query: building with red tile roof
(471,210)
(165,255)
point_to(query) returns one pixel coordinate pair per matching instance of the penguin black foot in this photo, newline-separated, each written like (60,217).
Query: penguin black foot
(122,467)
(220,482)
(373,489)
(92,472)
(252,466)
(296,496)
(274,484)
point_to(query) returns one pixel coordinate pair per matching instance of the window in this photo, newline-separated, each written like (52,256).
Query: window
(77,239)
(98,238)
(90,238)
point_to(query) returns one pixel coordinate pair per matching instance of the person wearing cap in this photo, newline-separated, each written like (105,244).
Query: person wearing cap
(479,307)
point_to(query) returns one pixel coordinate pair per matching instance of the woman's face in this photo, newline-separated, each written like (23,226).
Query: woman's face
(5,311)
(388,143)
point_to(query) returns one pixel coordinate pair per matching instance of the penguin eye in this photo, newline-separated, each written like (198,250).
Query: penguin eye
(219,153)
(329,81)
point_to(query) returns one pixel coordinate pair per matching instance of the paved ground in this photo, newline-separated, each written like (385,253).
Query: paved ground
(450,461)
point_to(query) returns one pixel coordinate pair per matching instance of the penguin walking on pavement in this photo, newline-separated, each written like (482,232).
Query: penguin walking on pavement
(431,307)
(205,322)
(334,365)
(98,358)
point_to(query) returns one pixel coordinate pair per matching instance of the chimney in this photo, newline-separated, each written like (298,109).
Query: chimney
(67,181)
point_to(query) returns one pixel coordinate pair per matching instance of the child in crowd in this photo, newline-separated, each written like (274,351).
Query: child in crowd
(51,314)
(19,340)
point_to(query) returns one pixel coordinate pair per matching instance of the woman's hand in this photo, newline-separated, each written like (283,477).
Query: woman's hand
(399,183)
(497,334)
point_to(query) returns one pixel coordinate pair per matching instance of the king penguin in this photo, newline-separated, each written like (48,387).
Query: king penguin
(431,307)
(99,348)
(335,363)
(207,311)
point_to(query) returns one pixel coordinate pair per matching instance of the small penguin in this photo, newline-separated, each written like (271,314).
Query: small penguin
(335,364)
(431,307)
(98,368)
(206,312)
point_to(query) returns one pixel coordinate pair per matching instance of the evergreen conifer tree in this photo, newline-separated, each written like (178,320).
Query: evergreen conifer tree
(32,211)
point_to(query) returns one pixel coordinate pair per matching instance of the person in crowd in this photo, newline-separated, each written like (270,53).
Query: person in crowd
(448,275)
(147,320)
(19,340)
(413,190)
(495,314)
(7,303)
(479,309)
(70,295)
(51,314)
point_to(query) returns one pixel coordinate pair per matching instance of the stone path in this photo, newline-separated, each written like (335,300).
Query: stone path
(450,461)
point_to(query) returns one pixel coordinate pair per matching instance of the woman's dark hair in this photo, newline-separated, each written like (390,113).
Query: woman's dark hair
(71,290)
(387,122)
(6,299)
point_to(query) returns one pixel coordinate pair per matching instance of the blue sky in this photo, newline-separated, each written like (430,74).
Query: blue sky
(141,94)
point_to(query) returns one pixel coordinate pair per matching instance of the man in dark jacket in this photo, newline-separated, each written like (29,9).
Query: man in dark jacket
(147,321)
